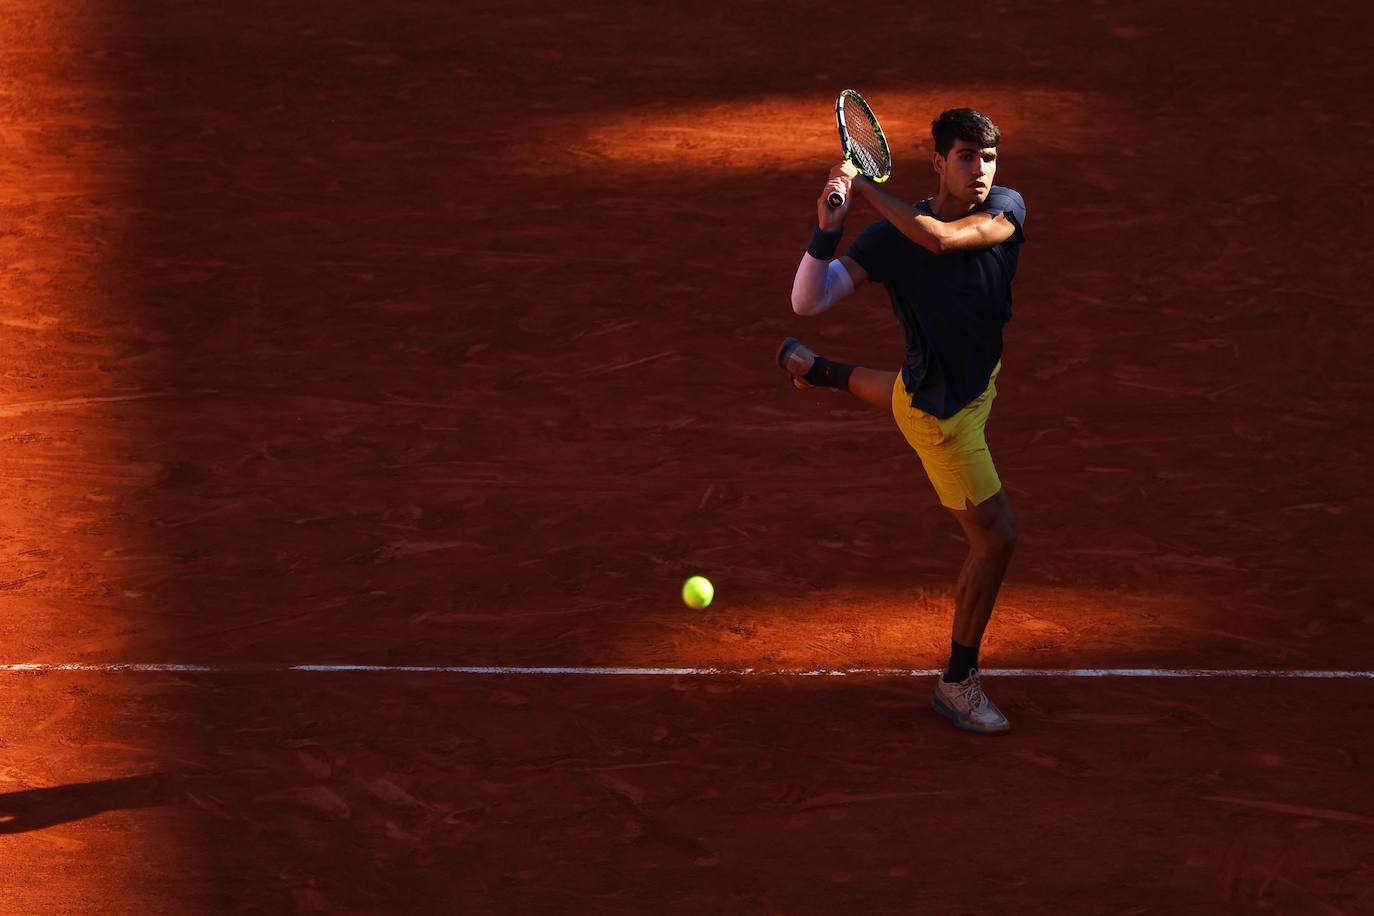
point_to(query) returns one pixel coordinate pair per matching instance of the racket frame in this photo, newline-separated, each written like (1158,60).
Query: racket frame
(835,199)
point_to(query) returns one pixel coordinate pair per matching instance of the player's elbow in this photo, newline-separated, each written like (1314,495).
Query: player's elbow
(936,243)
(943,244)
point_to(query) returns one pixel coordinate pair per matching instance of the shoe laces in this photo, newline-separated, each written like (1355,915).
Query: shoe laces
(971,690)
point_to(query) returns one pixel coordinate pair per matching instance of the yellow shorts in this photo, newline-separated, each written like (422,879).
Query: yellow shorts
(953,451)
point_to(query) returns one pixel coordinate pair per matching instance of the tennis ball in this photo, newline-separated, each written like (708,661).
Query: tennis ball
(697,592)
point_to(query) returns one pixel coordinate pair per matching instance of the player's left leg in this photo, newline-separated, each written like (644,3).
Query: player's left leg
(956,458)
(991,533)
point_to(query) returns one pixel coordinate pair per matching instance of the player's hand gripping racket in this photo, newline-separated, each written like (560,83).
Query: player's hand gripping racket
(863,141)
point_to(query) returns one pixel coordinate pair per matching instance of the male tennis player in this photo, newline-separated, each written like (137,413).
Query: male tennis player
(947,263)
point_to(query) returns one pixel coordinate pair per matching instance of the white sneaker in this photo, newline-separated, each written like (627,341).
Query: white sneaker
(797,358)
(968,707)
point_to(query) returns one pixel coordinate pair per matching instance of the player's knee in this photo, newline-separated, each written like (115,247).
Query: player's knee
(1009,536)
(995,542)
(1004,526)
(1001,538)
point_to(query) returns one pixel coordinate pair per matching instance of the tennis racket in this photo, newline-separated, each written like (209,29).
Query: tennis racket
(863,141)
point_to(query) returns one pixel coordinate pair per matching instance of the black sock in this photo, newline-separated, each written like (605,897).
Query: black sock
(826,373)
(962,660)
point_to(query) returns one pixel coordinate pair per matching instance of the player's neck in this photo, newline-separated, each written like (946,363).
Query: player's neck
(947,207)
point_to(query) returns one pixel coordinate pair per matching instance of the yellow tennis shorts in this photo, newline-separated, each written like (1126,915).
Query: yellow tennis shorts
(953,451)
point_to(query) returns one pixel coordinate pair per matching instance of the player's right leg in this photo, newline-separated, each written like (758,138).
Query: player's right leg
(872,386)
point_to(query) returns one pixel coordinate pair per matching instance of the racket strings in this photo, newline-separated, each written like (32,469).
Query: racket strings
(867,149)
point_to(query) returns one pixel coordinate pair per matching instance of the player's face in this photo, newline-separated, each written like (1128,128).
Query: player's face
(966,173)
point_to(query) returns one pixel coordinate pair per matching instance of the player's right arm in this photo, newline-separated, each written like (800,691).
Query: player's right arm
(821,280)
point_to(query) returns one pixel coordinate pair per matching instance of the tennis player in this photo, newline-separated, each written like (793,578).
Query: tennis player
(947,263)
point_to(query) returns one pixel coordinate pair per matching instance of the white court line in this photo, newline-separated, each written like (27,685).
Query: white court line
(698,672)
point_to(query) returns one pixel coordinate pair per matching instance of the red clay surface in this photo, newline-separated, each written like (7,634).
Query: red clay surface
(442,333)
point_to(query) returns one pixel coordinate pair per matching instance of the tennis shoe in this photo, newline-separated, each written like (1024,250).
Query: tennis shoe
(797,358)
(965,704)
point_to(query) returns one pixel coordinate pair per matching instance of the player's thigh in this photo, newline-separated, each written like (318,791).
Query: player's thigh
(953,451)
(922,431)
(990,524)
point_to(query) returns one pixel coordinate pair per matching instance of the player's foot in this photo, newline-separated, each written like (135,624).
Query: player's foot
(797,358)
(968,707)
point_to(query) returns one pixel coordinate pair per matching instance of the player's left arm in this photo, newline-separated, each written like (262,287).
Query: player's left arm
(974,232)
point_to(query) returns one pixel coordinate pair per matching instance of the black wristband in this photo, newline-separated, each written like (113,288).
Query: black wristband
(823,244)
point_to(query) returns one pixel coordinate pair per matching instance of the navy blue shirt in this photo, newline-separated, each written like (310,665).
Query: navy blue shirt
(952,307)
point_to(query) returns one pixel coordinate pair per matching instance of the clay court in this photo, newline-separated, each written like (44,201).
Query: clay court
(441,335)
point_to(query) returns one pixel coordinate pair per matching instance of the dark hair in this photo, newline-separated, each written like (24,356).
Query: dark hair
(963,124)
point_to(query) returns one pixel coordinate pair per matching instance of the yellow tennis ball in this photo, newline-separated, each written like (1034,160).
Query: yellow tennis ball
(697,592)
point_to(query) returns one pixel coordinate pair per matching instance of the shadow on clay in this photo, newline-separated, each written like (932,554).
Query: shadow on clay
(35,809)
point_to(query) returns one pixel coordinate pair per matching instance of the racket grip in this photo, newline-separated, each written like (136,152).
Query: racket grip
(835,200)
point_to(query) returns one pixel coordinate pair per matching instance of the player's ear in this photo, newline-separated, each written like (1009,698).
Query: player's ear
(937,162)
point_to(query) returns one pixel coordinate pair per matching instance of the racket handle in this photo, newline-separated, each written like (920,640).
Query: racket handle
(835,200)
